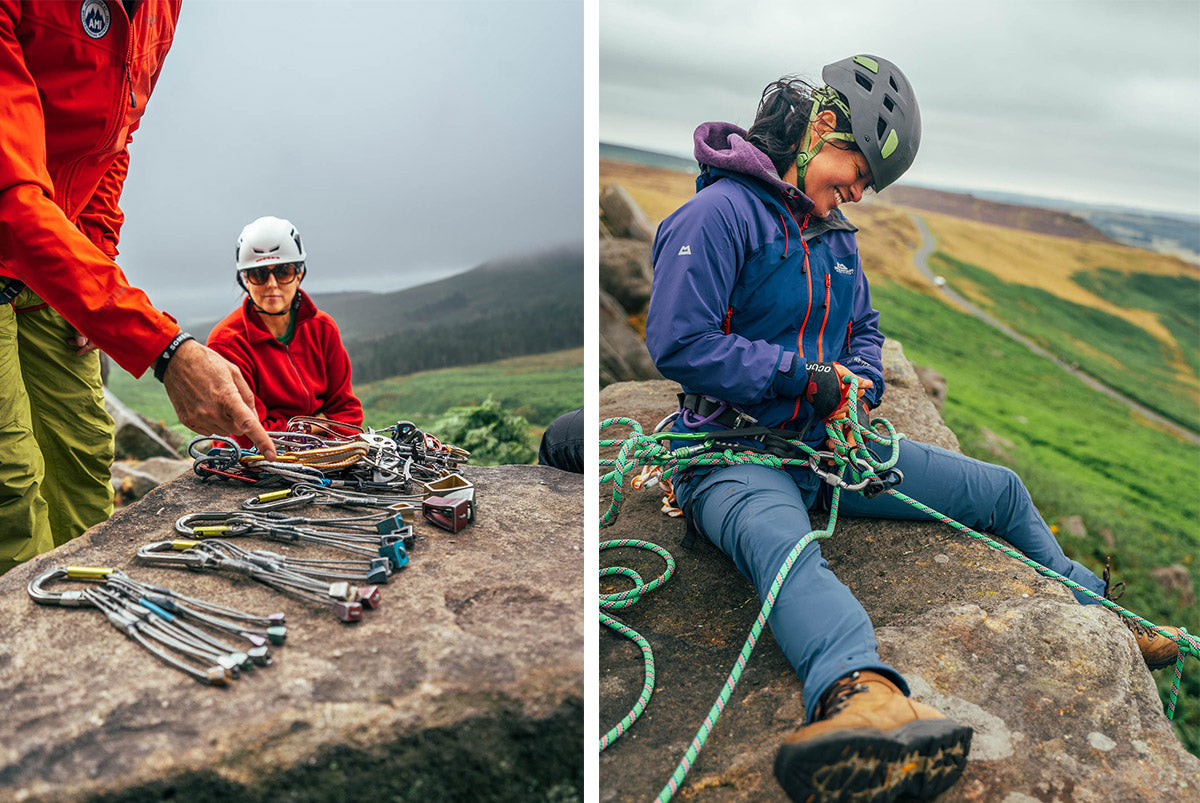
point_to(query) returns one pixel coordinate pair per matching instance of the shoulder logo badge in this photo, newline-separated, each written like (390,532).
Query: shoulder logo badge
(685,251)
(840,268)
(95,18)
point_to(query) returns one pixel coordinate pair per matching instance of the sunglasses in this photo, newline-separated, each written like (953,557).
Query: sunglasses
(284,273)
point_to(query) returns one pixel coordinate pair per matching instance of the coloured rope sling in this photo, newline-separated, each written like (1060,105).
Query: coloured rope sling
(854,468)
(186,633)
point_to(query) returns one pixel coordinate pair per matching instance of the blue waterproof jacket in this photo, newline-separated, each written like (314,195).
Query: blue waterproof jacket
(748,287)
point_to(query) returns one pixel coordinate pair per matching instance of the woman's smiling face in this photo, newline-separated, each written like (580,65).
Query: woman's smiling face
(838,174)
(835,176)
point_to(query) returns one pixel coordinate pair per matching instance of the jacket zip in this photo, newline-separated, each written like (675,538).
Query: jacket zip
(825,320)
(296,372)
(64,188)
(800,336)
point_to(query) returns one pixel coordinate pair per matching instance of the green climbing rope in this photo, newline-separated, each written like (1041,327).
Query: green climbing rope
(642,450)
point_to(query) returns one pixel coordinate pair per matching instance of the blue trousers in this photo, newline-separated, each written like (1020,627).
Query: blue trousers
(755,515)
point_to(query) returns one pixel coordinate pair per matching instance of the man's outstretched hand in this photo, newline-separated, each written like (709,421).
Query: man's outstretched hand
(212,398)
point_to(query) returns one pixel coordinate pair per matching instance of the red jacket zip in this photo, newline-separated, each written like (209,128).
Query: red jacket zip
(825,320)
(800,336)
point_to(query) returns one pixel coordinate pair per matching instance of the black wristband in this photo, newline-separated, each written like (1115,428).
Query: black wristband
(160,367)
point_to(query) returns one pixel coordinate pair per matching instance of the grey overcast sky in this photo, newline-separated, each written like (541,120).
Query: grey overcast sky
(1086,100)
(406,141)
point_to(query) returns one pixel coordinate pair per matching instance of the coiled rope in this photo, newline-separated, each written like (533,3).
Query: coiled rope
(651,452)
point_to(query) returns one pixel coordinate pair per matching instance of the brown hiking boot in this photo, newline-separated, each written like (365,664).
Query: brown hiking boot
(867,741)
(1158,651)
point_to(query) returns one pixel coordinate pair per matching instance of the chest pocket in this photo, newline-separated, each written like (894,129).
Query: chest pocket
(771,294)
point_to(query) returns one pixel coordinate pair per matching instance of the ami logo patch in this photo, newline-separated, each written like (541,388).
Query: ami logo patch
(95,18)
(840,268)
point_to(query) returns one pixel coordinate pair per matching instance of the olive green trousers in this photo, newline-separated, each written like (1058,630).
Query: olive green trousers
(56,438)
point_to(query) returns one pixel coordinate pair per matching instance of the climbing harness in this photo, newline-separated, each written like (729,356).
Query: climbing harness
(846,467)
(325,582)
(173,627)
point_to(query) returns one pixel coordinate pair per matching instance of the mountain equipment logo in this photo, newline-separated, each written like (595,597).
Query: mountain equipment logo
(95,17)
(840,268)
(685,251)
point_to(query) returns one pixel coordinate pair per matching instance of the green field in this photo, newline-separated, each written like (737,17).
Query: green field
(1079,452)
(1111,349)
(538,387)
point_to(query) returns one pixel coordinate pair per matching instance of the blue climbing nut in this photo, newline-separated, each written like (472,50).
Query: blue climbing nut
(396,555)
(390,525)
(277,635)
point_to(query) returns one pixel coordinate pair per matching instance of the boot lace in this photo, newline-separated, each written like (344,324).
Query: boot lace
(836,697)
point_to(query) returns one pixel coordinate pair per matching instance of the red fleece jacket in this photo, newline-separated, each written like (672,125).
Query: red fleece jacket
(309,376)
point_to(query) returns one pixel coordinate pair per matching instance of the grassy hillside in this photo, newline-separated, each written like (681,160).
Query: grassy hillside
(1127,315)
(539,387)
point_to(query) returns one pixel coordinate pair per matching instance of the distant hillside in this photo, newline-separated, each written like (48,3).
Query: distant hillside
(1012,216)
(505,308)
(622,153)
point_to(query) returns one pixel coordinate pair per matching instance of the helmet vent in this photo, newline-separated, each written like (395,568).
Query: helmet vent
(863,81)
(888,103)
(880,127)
(892,81)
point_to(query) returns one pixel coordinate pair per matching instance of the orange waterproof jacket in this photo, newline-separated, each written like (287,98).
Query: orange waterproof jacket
(74,81)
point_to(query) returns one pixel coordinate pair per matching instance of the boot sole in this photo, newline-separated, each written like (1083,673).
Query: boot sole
(919,760)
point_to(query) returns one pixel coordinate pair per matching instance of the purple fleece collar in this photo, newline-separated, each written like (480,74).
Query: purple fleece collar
(724,146)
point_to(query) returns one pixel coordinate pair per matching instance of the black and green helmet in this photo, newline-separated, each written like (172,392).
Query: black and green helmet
(883,113)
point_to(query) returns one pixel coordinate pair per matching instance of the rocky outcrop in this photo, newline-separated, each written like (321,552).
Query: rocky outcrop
(466,684)
(1062,706)
(137,438)
(133,479)
(623,354)
(625,279)
(626,273)
(622,216)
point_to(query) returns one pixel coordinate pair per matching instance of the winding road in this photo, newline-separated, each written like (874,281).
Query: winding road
(921,260)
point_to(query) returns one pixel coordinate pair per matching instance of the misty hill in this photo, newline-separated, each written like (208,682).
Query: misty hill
(504,308)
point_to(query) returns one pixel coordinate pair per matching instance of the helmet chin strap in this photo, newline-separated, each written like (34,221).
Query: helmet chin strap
(295,305)
(826,96)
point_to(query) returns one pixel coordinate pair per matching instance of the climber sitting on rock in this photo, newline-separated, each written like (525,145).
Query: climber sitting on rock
(760,308)
(289,352)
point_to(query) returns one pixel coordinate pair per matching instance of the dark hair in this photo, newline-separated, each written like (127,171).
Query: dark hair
(782,120)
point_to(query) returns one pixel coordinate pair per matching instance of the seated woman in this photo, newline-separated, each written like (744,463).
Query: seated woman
(290,353)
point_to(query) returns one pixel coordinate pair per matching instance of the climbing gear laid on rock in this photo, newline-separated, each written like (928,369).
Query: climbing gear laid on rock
(848,465)
(321,581)
(173,627)
(333,455)
(868,741)
(450,514)
(385,539)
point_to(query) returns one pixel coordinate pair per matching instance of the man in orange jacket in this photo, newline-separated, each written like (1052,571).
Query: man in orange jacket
(74,81)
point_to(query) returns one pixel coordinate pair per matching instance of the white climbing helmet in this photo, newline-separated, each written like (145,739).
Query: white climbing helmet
(268,241)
